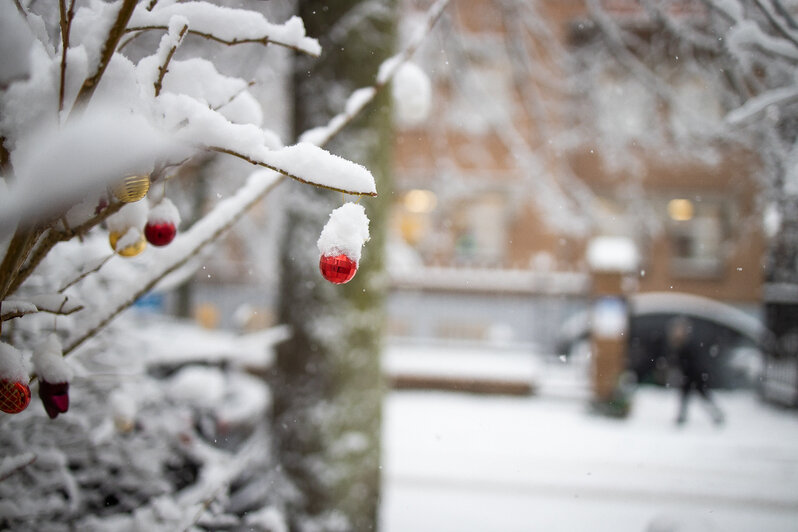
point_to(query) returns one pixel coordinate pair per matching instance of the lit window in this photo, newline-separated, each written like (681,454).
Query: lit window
(696,233)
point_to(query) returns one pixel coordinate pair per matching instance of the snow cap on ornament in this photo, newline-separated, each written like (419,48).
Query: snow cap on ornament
(341,242)
(54,376)
(125,229)
(162,223)
(14,390)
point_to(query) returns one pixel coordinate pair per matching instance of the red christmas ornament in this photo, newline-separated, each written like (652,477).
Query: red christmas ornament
(14,396)
(55,397)
(160,233)
(338,269)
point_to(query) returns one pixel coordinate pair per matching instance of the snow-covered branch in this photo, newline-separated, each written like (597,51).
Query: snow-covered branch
(360,98)
(754,107)
(52,304)
(179,252)
(312,165)
(169,43)
(227,26)
(109,48)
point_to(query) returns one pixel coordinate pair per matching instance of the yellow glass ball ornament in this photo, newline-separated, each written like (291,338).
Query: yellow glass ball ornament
(130,250)
(132,188)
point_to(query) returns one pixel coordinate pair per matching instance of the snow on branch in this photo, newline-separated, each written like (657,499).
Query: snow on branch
(179,252)
(197,124)
(759,104)
(312,165)
(227,26)
(51,303)
(293,161)
(747,34)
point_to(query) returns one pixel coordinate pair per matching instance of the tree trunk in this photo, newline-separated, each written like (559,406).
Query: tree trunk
(327,382)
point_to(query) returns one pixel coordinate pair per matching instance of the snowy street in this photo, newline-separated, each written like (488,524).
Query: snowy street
(460,462)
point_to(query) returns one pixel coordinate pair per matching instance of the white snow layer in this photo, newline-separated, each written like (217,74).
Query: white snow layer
(318,166)
(131,215)
(60,165)
(15,42)
(164,212)
(412,95)
(49,362)
(12,367)
(228,24)
(345,232)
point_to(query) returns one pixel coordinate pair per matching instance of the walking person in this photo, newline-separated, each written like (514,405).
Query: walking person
(688,352)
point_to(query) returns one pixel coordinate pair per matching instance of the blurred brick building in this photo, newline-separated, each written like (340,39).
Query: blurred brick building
(544,132)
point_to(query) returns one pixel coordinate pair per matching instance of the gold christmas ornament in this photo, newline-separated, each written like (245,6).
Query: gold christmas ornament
(128,251)
(132,188)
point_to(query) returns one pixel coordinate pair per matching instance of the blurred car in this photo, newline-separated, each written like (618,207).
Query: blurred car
(732,341)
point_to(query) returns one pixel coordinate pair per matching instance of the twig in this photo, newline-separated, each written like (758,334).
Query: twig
(86,274)
(18,250)
(151,5)
(255,40)
(10,471)
(53,237)
(234,96)
(66,25)
(163,69)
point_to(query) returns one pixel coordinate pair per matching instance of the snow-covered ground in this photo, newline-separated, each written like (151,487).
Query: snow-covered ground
(460,462)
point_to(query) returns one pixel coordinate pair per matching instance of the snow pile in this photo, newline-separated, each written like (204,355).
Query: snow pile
(49,362)
(345,232)
(131,215)
(12,366)
(412,95)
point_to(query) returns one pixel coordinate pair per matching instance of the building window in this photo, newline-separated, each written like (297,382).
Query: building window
(696,235)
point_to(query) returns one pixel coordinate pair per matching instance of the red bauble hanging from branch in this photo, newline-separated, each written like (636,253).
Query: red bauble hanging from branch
(341,241)
(14,396)
(162,223)
(338,269)
(14,390)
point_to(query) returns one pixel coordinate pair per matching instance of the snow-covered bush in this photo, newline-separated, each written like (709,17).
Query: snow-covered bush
(101,104)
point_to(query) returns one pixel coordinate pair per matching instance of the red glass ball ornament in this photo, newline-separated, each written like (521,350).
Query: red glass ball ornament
(55,397)
(14,396)
(337,269)
(161,233)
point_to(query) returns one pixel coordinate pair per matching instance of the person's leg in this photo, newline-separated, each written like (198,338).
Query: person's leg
(683,397)
(714,409)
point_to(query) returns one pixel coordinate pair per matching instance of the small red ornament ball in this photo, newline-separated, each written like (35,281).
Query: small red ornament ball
(337,269)
(14,396)
(161,233)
